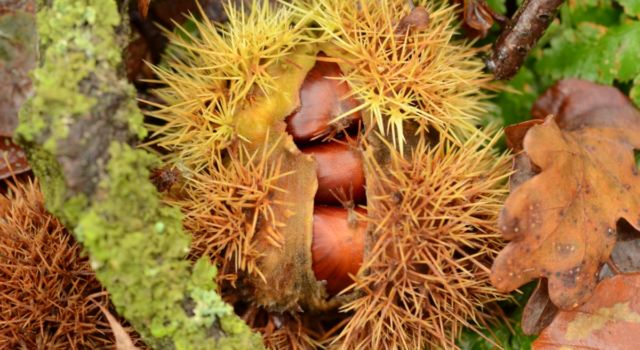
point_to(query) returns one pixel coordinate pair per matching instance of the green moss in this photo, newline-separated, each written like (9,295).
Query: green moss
(232,325)
(144,267)
(78,45)
(208,304)
(44,165)
(133,117)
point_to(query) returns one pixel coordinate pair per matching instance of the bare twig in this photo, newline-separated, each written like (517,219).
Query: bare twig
(520,36)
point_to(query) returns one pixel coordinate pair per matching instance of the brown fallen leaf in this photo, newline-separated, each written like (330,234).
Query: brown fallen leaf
(13,160)
(571,98)
(625,257)
(123,340)
(539,311)
(562,221)
(515,133)
(522,166)
(18,44)
(609,320)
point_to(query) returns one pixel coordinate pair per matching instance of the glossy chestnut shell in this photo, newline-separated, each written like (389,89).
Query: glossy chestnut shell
(337,247)
(339,169)
(323,97)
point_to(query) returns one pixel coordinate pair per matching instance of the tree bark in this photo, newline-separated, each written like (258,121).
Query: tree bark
(77,129)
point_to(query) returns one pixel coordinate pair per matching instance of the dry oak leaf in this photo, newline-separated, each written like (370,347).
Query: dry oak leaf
(562,221)
(609,320)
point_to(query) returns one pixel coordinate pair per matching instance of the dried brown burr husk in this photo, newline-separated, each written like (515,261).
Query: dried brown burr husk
(49,294)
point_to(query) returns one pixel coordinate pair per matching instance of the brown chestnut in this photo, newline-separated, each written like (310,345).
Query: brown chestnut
(339,169)
(323,97)
(338,246)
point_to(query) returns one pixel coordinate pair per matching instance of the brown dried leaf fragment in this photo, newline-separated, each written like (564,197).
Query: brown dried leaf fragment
(609,320)
(418,20)
(143,7)
(539,311)
(478,18)
(123,339)
(562,221)
(13,160)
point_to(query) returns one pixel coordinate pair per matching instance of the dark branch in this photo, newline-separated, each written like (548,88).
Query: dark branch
(520,36)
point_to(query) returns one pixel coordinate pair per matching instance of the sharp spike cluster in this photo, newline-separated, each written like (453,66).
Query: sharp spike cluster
(226,206)
(422,76)
(49,294)
(210,74)
(427,275)
(286,331)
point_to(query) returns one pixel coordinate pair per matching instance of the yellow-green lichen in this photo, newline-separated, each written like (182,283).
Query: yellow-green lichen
(144,268)
(49,172)
(78,53)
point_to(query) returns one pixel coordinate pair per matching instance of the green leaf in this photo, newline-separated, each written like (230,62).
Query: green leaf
(631,7)
(504,337)
(593,52)
(502,333)
(497,5)
(634,94)
(515,103)
(595,11)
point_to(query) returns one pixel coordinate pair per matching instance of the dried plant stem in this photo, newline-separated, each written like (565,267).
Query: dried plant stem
(612,265)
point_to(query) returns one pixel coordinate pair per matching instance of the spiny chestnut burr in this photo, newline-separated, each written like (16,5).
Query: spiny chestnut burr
(338,246)
(323,97)
(49,295)
(340,171)
(250,198)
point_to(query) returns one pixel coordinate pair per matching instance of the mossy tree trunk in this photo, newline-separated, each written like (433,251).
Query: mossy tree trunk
(78,128)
